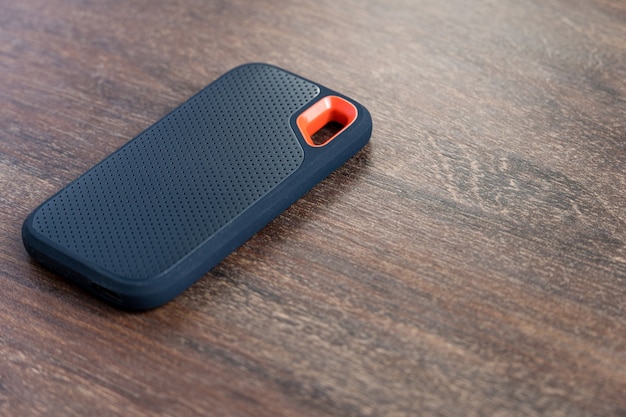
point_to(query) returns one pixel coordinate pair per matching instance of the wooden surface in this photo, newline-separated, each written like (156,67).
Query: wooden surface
(471,261)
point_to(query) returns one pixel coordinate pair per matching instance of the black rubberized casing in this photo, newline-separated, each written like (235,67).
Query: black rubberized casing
(153,217)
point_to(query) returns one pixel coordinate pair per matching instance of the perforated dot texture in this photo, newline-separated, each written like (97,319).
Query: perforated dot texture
(142,209)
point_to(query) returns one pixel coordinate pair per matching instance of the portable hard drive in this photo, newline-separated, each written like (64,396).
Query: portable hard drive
(153,217)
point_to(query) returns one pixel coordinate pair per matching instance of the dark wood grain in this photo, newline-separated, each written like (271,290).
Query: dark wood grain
(471,261)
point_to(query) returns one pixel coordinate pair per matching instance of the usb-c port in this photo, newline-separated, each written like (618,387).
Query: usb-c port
(106,293)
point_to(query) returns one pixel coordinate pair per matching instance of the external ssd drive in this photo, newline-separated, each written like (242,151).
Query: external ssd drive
(152,218)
